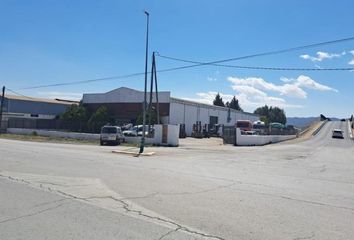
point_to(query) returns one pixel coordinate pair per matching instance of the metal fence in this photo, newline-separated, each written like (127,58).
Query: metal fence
(3,126)
(54,124)
(229,135)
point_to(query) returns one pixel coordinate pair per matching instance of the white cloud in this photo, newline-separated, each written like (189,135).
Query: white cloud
(249,98)
(254,92)
(286,80)
(62,95)
(212,79)
(287,89)
(352,61)
(307,82)
(208,97)
(322,56)
(291,88)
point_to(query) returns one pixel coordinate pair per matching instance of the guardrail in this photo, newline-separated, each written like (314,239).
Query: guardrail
(319,129)
(350,130)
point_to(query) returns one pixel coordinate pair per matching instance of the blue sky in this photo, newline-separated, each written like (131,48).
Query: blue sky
(47,41)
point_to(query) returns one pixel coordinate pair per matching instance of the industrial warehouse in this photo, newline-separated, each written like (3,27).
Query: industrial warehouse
(33,108)
(125,104)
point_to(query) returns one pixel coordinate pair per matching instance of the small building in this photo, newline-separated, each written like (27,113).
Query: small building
(125,104)
(33,108)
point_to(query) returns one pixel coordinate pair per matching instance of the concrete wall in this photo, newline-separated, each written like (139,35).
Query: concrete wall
(46,133)
(172,139)
(187,112)
(172,135)
(137,140)
(350,132)
(259,140)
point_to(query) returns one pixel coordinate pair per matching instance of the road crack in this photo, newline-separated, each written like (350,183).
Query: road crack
(31,214)
(178,226)
(125,206)
(168,233)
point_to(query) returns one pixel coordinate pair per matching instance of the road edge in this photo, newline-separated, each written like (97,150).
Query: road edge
(350,130)
(319,128)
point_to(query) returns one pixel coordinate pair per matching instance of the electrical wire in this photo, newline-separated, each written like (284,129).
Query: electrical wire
(258,68)
(84,81)
(197,64)
(272,52)
(19,94)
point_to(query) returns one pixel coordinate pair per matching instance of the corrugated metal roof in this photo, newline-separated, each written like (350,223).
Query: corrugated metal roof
(46,100)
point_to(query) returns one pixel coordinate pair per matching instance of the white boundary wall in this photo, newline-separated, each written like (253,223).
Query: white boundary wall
(259,140)
(350,129)
(46,133)
(172,135)
(72,135)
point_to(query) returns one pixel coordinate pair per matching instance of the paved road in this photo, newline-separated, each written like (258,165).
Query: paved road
(197,191)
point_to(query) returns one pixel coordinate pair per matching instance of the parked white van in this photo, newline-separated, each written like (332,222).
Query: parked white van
(111,134)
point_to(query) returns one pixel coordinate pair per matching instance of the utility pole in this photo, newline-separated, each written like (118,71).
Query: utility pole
(2,105)
(156,90)
(151,89)
(146,64)
(154,77)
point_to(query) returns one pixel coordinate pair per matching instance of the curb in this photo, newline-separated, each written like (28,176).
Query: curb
(319,128)
(135,154)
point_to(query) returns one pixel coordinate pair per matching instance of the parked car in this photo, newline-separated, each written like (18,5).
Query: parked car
(260,128)
(244,125)
(250,133)
(259,123)
(135,131)
(111,134)
(130,132)
(337,133)
(276,125)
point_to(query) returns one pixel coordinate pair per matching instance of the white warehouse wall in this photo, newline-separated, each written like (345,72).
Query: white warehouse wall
(187,112)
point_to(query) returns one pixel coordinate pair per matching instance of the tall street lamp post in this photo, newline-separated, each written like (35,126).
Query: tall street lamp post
(146,65)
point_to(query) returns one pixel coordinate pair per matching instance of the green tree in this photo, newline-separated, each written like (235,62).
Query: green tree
(271,114)
(75,113)
(99,119)
(234,104)
(263,112)
(218,101)
(152,112)
(277,115)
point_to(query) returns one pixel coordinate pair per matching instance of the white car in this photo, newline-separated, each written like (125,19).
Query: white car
(135,131)
(111,134)
(337,133)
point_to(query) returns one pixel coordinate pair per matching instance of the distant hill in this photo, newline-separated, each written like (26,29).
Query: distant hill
(301,122)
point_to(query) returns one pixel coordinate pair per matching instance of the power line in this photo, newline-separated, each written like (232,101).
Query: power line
(197,64)
(85,81)
(19,94)
(273,52)
(258,68)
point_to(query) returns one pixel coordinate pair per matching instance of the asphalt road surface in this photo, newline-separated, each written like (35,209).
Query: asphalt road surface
(200,190)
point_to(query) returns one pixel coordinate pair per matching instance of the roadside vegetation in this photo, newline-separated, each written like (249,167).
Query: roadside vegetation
(36,138)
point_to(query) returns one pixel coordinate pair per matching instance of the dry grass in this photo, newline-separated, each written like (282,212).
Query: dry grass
(35,138)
